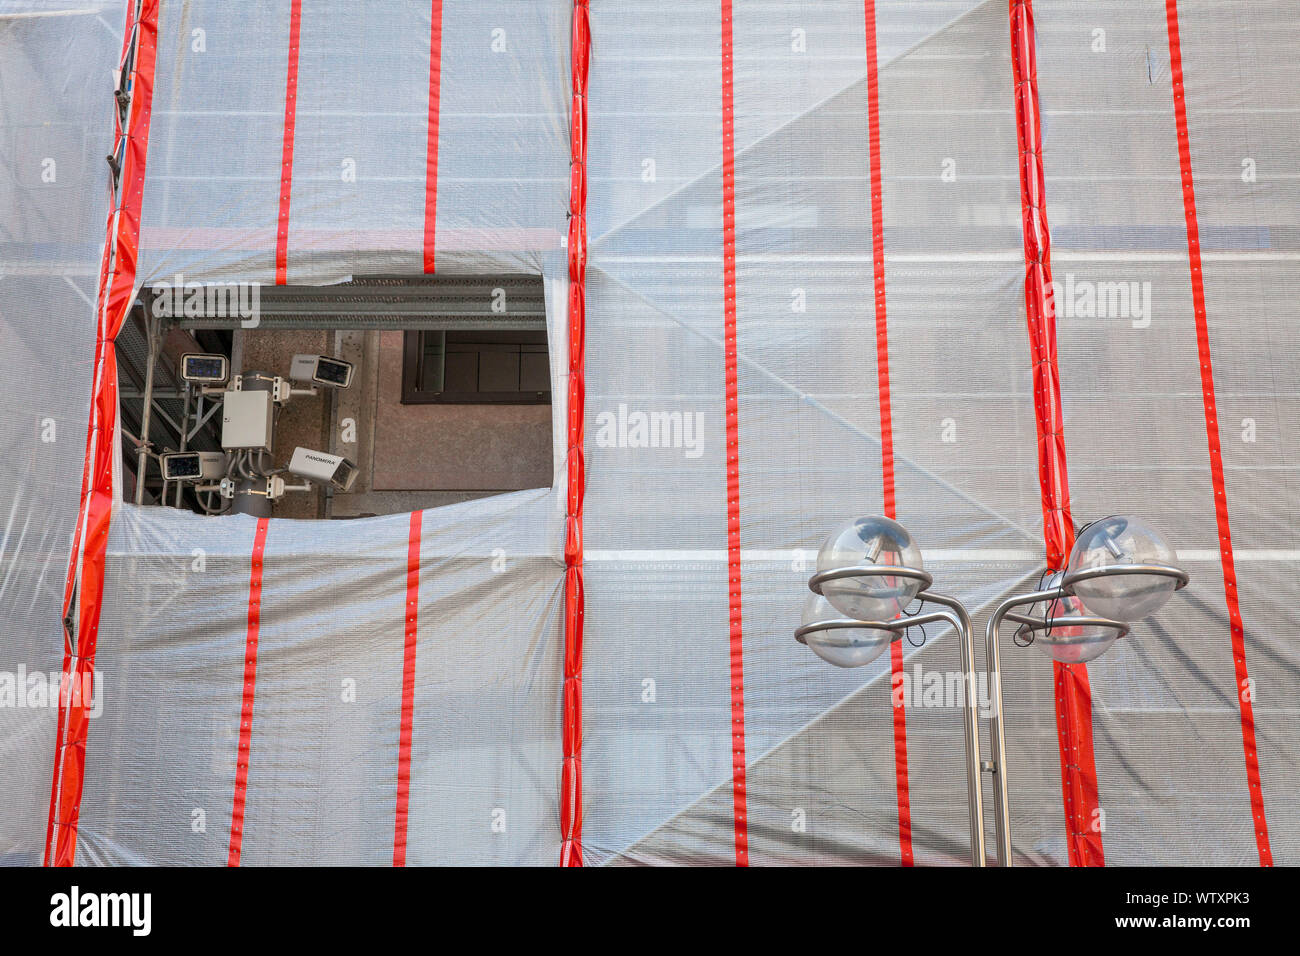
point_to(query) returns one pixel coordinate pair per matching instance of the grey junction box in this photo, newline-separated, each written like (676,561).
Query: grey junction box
(246,420)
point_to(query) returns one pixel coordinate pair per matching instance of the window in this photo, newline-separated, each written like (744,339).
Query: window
(476,368)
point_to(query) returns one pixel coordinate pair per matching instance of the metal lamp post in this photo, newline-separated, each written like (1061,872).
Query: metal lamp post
(1119,571)
(869,572)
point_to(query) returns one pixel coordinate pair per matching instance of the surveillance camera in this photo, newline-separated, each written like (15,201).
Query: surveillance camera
(193,466)
(322,466)
(321,370)
(205,369)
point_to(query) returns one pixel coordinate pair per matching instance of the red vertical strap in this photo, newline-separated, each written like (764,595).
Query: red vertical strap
(1073,691)
(286,157)
(901,778)
(1226,557)
(733,441)
(84,585)
(574,602)
(886,417)
(105,270)
(411,617)
(246,704)
(431,154)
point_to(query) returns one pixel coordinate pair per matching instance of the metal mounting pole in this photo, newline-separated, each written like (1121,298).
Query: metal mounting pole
(997,729)
(142,462)
(970,723)
(1005,611)
(185,438)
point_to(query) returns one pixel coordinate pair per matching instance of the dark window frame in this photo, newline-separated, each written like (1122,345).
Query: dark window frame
(413,354)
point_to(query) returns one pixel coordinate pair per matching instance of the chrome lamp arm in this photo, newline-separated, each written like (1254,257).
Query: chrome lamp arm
(954,613)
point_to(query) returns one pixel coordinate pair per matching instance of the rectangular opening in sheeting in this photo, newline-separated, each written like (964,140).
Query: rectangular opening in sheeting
(375,396)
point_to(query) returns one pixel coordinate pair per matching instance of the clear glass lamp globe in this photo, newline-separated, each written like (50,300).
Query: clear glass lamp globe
(843,647)
(1073,643)
(1122,539)
(870,540)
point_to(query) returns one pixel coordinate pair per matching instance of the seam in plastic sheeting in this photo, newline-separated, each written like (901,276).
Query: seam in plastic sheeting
(244,751)
(1259,820)
(737,658)
(886,417)
(431,160)
(286,160)
(1073,691)
(85,584)
(571,771)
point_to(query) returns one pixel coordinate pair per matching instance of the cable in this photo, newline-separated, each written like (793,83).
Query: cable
(921,627)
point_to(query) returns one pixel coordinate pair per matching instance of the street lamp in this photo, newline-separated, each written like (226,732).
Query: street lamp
(868,572)
(838,640)
(1120,570)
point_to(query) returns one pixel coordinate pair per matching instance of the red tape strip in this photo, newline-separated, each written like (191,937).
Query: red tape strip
(431,155)
(250,686)
(737,653)
(1236,627)
(1073,691)
(886,417)
(412,614)
(286,159)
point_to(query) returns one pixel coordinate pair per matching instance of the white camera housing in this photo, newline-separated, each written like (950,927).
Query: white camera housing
(193,465)
(321,370)
(323,467)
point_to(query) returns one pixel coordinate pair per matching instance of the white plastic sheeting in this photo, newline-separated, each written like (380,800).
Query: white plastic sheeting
(821,766)
(324,751)
(55,129)
(819,743)
(358,182)
(1167,722)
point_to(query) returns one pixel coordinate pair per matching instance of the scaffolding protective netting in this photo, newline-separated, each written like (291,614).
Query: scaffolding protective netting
(809,347)
(55,130)
(368,153)
(1167,708)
